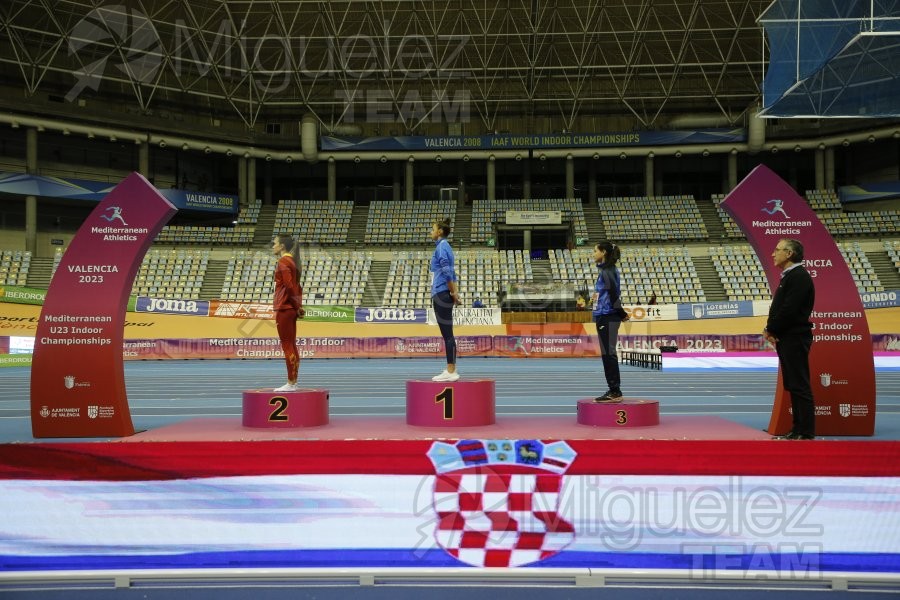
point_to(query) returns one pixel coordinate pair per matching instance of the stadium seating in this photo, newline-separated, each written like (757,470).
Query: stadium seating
(327,277)
(892,247)
(239,235)
(406,222)
(860,268)
(844,223)
(14,266)
(314,221)
(861,223)
(487,212)
(741,273)
(654,218)
(248,215)
(667,272)
(482,275)
(334,277)
(57,256)
(823,200)
(171,274)
(731,228)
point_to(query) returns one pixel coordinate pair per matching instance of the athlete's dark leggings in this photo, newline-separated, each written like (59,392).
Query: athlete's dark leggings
(443,313)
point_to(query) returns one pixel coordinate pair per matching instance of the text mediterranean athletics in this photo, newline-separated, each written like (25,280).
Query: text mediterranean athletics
(120,234)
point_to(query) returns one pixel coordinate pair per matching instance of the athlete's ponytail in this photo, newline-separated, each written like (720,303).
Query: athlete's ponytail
(613,253)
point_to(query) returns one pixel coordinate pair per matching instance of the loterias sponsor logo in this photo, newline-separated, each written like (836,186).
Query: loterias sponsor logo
(391,315)
(172,306)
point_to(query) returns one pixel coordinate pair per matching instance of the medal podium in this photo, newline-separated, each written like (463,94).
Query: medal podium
(630,412)
(450,403)
(266,408)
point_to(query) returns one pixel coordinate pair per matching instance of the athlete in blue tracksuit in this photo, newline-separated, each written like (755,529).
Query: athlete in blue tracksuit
(607,305)
(444,294)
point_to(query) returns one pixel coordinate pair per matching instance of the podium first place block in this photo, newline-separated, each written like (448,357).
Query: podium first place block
(631,412)
(267,408)
(450,404)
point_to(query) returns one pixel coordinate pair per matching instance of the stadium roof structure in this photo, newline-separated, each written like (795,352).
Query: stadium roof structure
(832,58)
(512,65)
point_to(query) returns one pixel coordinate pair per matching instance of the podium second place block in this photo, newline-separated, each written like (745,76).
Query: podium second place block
(450,404)
(267,408)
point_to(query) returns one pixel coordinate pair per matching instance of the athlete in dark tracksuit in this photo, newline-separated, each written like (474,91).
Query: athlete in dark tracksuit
(607,302)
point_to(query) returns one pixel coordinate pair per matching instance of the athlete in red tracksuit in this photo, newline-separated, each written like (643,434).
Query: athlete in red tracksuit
(288,305)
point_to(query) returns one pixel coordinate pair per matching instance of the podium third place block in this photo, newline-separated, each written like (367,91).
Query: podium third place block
(631,412)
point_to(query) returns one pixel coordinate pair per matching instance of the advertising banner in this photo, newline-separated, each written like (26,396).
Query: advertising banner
(515,142)
(172,306)
(197,201)
(77,375)
(308,347)
(546,346)
(885,299)
(94,191)
(391,315)
(15,360)
(533,217)
(331,313)
(715,310)
(477,345)
(470,316)
(22,295)
(651,312)
(241,310)
(842,369)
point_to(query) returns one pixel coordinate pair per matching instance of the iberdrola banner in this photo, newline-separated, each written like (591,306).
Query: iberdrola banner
(842,368)
(77,374)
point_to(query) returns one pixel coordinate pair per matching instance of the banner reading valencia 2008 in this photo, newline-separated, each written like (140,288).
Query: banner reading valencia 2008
(842,368)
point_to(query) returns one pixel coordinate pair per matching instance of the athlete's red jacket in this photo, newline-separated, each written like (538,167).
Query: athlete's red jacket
(288,293)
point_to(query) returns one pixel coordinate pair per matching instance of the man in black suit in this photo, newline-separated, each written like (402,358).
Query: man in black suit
(790,330)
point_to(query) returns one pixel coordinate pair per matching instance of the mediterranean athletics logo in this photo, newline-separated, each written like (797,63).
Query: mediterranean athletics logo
(777,207)
(109,31)
(783,225)
(115,213)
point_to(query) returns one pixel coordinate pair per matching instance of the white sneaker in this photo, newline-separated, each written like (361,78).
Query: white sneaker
(288,387)
(446,376)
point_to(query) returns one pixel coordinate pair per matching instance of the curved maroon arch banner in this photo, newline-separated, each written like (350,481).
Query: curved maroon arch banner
(842,368)
(77,373)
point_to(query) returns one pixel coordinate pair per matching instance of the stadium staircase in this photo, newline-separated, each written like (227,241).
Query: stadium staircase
(541,271)
(462,226)
(711,219)
(594,222)
(359,223)
(265,225)
(709,279)
(40,272)
(214,279)
(378,275)
(882,265)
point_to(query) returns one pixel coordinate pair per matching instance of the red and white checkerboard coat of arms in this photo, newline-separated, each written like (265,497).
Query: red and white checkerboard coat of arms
(497,501)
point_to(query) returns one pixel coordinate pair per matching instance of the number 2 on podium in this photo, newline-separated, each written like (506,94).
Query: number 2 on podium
(446,397)
(281,404)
